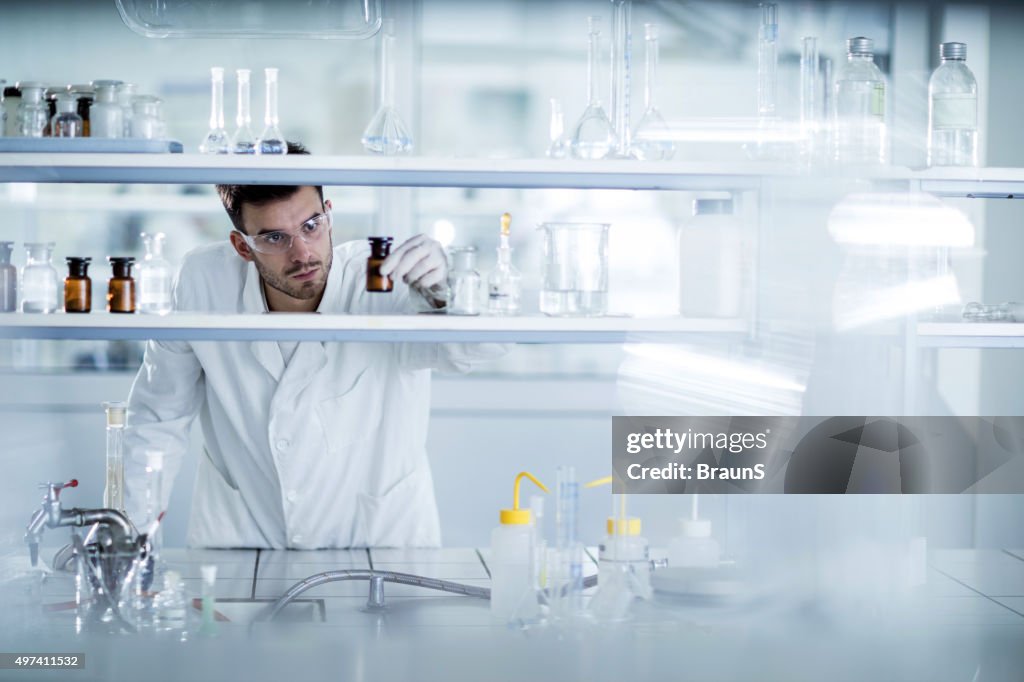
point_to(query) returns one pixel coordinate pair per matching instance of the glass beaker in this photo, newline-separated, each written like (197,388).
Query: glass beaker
(39,279)
(464,282)
(33,114)
(575,269)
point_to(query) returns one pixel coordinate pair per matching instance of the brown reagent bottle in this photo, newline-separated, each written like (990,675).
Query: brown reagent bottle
(380,247)
(78,286)
(121,289)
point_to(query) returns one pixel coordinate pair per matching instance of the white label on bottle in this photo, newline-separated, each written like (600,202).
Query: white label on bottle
(954,112)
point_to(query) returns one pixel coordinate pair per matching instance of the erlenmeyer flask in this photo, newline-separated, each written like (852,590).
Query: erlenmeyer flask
(271,140)
(216,140)
(559,143)
(650,138)
(387,133)
(593,137)
(243,141)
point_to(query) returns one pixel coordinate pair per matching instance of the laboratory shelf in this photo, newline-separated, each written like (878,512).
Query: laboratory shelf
(398,328)
(970,335)
(973,183)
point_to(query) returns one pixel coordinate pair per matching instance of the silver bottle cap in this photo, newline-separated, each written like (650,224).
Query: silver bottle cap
(860,46)
(956,51)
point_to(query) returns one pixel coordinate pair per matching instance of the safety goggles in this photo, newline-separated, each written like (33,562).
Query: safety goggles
(279,241)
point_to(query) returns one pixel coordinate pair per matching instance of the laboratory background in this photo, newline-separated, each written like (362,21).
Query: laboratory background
(745,235)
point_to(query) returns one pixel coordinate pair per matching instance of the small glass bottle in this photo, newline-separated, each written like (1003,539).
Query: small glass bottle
(66,122)
(50,97)
(154,276)
(39,279)
(464,282)
(860,132)
(504,281)
(243,141)
(78,286)
(106,115)
(147,123)
(12,102)
(121,288)
(8,279)
(953,110)
(380,247)
(125,98)
(86,96)
(32,111)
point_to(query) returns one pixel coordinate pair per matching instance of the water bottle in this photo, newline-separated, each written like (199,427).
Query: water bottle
(860,136)
(953,110)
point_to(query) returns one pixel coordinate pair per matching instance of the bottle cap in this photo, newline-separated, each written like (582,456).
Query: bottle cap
(957,51)
(862,46)
(117,412)
(712,207)
(628,526)
(78,267)
(695,528)
(516,516)
(380,247)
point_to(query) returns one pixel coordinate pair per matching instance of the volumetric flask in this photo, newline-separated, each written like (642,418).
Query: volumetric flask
(575,269)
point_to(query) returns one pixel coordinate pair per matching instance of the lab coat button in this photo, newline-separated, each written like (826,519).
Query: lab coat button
(283,445)
(296,539)
(292,496)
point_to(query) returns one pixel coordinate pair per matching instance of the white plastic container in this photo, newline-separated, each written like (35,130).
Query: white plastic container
(693,547)
(106,115)
(512,566)
(711,257)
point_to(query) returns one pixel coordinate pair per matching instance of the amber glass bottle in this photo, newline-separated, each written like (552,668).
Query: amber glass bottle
(78,286)
(380,247)
(121,290)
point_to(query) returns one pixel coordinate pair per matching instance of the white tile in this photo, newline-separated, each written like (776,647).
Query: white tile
(408,612)
(969,611)
(224,588)
(1018,553)
(227,571)
(315,556)
(209,556)
(282,569)
(445,555)
(993,577)
(441,571)
(355,588)
(939,585)
(1015,603)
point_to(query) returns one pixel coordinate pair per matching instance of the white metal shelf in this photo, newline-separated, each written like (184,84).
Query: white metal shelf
(312,327)
(970,335)
(978,183)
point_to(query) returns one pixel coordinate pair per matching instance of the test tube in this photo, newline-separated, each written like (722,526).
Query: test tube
(810,90)
(113,494)
(567,588)
(767,60)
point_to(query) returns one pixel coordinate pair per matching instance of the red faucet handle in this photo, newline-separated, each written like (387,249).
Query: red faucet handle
(57,487)
(73,483)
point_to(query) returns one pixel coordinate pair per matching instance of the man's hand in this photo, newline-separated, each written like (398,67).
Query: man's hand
(421,263)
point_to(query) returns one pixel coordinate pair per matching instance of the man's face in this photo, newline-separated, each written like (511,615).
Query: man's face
(301,270)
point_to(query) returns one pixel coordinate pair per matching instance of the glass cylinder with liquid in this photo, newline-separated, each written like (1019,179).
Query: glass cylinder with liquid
(575,275)
(66,122)
(113,494)
(39,279)
(860,128)
(121,288)
(8,279)
(953,110)
(78,286)
(154,277)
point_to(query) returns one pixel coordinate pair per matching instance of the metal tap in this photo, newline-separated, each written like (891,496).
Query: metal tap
(51,515)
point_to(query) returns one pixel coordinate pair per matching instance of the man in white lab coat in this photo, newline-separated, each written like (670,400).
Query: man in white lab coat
(310,444)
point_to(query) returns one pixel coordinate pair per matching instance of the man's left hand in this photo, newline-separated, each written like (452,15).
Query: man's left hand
(421,263)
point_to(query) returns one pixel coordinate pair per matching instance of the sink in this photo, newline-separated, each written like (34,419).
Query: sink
(243,611)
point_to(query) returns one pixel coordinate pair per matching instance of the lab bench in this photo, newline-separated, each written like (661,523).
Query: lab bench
(966,622)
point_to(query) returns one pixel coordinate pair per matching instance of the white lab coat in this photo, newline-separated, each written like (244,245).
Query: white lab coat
(328,451)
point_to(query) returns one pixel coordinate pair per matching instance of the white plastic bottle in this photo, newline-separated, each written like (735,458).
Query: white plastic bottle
(711,256)
(953,110)
(693,547)
(512,566)
(623,570)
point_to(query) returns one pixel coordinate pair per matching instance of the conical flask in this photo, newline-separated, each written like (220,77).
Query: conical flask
(387,133)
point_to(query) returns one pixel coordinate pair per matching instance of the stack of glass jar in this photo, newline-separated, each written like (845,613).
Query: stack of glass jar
(103,109)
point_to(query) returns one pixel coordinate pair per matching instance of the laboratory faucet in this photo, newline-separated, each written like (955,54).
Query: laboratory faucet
(51,515)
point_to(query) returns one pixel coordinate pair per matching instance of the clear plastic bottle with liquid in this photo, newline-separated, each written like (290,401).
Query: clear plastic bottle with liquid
(512,565)
(860,128)
(953,110)
(154,277)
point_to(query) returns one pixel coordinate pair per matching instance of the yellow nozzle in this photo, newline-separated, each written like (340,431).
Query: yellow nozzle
(506,222)
(600,481)
(630,526)
(515,515)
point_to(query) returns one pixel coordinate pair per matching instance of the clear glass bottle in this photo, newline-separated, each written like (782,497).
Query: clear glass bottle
(593,136)
(66,122)
(125,98)
(650,141)
(271,140)
(558,147)
(32,112)
(154,277)
(171,605)
(147,121)
(504,283)
(386,133)
(106,117)
(8,279)
(217,140)
(78,286)
(464,282)
(380,248)
(12,102)
(39,279)
(121,288)
(243,141)
(860,128)
(953,110)
(86,96)
(113,493)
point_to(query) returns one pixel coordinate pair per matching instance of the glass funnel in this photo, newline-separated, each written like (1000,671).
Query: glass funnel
(650,138)
(39,279)
(217,140)
(271,140)
(386,132)
(575,273)
(243,141)
(593,136)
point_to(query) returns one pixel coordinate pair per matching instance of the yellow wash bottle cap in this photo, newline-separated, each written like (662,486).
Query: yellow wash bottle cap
(630,526)
(516,516)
